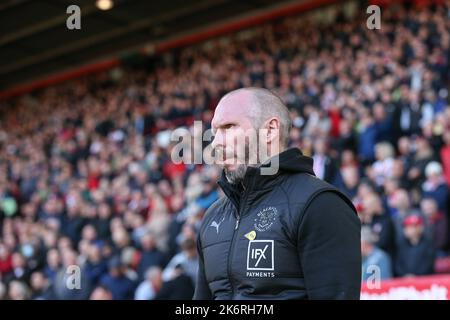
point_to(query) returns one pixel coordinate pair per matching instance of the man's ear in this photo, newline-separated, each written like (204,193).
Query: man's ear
(273,130)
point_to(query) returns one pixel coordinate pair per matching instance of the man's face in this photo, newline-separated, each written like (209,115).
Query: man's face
(320,147)
(18,261)
(428,206)
(235,135)
(401,200)
(37,281)
(350,176)
(101,294)
(366,248)
(148,242)
(413,231)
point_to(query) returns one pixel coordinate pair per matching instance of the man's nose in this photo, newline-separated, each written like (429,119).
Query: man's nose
(218,140)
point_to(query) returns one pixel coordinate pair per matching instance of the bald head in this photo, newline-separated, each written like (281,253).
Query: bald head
(259,105)
(251,120)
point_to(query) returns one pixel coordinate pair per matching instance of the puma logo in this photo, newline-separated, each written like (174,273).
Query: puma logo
(217,224)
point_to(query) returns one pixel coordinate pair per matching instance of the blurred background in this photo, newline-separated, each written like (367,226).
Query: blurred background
(86,116)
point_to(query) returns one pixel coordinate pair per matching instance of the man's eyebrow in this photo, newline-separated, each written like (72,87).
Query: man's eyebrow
(221,125)
(226,124)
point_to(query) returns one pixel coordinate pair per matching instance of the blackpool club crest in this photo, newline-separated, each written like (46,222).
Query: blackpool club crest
(265,219)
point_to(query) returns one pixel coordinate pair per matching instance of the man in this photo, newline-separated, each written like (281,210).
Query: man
(178,287)
(373,216)
(287,235)
(415,253)
(121,287)
(324,166)
(187,258)
(41,287)
(373,258)
(151,285)
(60,288)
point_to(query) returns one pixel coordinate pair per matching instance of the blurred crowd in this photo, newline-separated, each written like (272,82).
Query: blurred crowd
(86,177)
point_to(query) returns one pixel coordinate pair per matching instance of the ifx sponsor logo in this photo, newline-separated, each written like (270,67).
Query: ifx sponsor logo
(260,258)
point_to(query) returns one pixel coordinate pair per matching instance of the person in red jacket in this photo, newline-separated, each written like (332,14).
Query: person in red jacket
(5,260)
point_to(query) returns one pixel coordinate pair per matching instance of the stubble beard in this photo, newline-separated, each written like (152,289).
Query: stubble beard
(237,175)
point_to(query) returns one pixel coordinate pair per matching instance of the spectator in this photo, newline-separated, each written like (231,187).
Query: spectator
(18,290)
(150,255)
(129,259)
(445,156)
(373,216)
(121,287)
(437,222)
(367,139)
(40,287)
(435,186)
(415,253)
(96,265)
(382,168)
(101,293)
(5,260)
(121,240)
(383,123)
(69,273)
(53,264)
(149,288)
(400,205)
(349,181)
(375,262)
(158,222)
(19,270)
(410,111)
(324,166)
(346,139)
(406,154)
(2,291)
(178,287)
(73,223)
(103,221)
(423,155)
(187,259)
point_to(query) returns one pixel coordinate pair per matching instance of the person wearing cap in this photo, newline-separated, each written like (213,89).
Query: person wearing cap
(415,251)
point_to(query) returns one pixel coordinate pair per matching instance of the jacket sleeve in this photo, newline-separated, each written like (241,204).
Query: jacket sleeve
(329,248)
(202,291)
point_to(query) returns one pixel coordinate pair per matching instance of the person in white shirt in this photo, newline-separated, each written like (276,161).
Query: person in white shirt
(148,288)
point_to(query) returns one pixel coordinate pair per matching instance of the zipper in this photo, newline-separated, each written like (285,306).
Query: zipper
(230,252)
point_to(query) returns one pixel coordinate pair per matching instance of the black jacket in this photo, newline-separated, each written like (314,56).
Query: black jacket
(414,259)
(285,236)
(179,288)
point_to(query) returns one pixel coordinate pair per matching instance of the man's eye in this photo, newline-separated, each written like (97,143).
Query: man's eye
(228,126)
